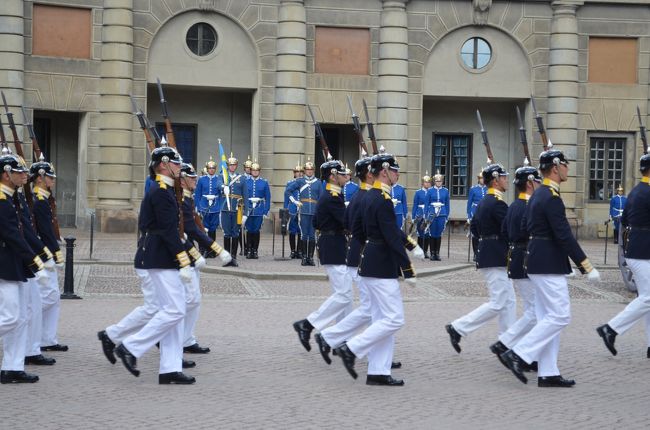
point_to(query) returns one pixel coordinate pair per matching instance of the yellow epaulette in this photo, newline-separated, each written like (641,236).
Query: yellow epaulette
(554,193)
(335,194)
(3,196)
(162,185)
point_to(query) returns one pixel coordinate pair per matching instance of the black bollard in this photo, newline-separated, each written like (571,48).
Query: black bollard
(68,283)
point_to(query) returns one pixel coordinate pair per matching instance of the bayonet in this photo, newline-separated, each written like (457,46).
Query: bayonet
(540,126)
(319,134)
(522,137)
(371,129)
(484,137)
(169,131)
(357,128)
(642,131)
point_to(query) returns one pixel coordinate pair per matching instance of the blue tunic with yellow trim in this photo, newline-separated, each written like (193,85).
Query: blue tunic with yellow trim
(487,225)
(329,220)
(636,219)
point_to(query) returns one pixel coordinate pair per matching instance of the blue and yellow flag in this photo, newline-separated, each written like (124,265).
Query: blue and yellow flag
(223,164)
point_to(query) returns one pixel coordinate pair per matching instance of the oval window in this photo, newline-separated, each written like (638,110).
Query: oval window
(201,38)
(476,53)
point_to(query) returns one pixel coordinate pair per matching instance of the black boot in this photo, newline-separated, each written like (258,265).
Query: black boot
(438,243)
(433,245)
(234,242)
(475,247)
(247,248)
(292,245)
(256,245)
(312,247)
(425,246)
(609,337)
(299,253)
(305,254)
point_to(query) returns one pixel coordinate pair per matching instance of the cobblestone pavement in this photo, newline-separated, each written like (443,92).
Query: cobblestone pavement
(259,377)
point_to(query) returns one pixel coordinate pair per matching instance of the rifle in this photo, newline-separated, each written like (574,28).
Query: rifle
(51,200)
(644,138)
(371,129)
(169,132)
(3,139)
(546,144)
(357,128)
(523,138)
(484,137)
(151,144)
(321,138)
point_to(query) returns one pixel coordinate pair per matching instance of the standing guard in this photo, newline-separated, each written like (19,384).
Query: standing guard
(234,194)
(476,193)
(438,210)
(290,199)
(350,188)
(309,190)
(419,214)
(257,208)
(398,195)
(207,195)
(248,166)
(616,208)
(43,177)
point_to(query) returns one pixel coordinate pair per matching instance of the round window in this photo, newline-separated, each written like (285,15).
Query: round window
(476,53)
(201,38)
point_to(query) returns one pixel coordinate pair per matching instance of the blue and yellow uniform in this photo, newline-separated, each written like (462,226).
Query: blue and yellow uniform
(419,212)
(207,196)
(29,232)
(636,220)
(476,193)
(517,237)
(348,191)
(309,191)
(400,205)
(231,216)
(257,207)
(616,208)
(438,210)
(44,219)
(294,229)
(329,221)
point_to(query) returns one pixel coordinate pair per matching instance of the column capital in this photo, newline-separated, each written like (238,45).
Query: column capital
(300,2)
(566,6)
(395,4)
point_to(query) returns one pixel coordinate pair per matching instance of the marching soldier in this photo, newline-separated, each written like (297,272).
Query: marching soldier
(527,180)
(419,214)
(258,205)
(550,246)
(289,204)
(19,262)
(383,261)
(492,258)
(309,190)
(350,188)
(616,208)
(206,194)
(43,177)
(636,221)
(329,220)
(476,193)
(438,211)
(398,195)
(234,194)
(162,254)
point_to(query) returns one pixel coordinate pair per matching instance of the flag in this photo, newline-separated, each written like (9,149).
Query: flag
(224,163)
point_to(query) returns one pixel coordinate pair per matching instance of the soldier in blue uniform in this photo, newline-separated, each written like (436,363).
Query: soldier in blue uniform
(419,214)
(309,190)
(290,205)
(398,195)
(350,188)
(233,195)
(43,177)
(163,255)
(332,243)
(616,208)
(248,165)
(551,244)
(19,262)
(636,221)
(492,258)
(383,261)
(257,208)
(527,180)
(476,193)
(438,210)
(207,195)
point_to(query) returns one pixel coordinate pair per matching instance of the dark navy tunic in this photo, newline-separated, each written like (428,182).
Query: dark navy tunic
(636,218)
(29,233)
(487,225)
(44,223)
(517,237)
(357,239)
(329,220)
(551,241)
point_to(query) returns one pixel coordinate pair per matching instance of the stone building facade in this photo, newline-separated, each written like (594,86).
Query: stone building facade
(243,71)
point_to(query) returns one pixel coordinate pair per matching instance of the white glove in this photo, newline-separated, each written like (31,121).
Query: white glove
(186,274)
(49,264)
(469,220)
(226,189)
(293,200)
(418,253)
(200,263)
(573,273)
(413,282)
(42,278)
(243,219)
(593,276)
(60,265)
(225,257)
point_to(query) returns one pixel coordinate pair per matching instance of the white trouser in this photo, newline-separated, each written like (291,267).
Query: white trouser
(377,341)
(639,307)
(51,300)
(193,306)
(166,326)
(139,316)
(13,324)
(527,321)
(503,304)
(349,326)
(553,311)
(34,318)
(339,304)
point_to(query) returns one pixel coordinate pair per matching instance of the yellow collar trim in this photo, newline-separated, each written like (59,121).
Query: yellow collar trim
(498,194)
(523,196)
(165,179)
(552,184)
(381,186)
(42,192)
(187,193)
(365,186)
(332,187)
(645,180)
(7,190)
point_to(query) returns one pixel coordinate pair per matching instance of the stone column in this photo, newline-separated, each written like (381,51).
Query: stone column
(290,93)
(115,121)
(562,117)
(12,62)
(392,97)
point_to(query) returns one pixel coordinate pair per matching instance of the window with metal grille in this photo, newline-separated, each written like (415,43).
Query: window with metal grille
(201,38)
(606,167)
(451,157)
